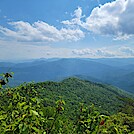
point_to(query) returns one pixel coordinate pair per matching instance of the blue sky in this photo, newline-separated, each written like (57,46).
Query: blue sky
(31,29)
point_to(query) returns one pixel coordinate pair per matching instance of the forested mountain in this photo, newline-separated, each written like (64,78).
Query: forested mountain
(106,98)
(81,107)
(117,72)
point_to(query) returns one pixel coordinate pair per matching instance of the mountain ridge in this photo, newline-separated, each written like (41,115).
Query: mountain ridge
(57,69)
(106,98)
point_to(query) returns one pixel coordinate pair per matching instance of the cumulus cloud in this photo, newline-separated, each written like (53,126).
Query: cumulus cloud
(40,31)
(113,18)
(76,18)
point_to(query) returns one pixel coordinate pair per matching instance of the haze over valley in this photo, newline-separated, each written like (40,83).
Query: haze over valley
(114,71)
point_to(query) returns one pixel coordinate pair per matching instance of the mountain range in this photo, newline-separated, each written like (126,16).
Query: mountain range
(115,71)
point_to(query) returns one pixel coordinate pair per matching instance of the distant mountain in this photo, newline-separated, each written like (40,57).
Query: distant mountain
(52,70)
(125,82)
(116,62)
(84,77)
(111,71)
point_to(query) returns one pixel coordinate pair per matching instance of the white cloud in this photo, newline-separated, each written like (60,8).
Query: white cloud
(113,18)
(78,13)
(40,31)
(93,53)
(121,36)
(105,53)
(127,51)
(120,52)
(77,18)
(102,18)
(12,50)
(81,52)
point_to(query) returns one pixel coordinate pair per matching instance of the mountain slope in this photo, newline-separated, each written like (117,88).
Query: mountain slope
(31,108)
(106,98)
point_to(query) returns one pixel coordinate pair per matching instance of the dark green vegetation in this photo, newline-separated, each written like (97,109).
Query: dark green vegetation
(108,99)
(117,72)
(83,107)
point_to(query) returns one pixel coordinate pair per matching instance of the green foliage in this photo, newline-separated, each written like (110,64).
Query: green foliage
(119,123)
(89,120)
(106,98)
(22,111)
(5,78)
(32,109)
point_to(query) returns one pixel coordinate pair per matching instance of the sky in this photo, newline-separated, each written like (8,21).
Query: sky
(32,29)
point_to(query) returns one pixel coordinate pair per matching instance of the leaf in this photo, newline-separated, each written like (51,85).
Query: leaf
(51,118)
(35,129)
(14,96)
(24,115)
(20,126)
(21,104)
(34,112)
(34,90)
(116,130)
(10,105)
(24,127)
(33,99)
(41,113)
(63,102)
(62,108)
(3,116)
(89,120)
(25,107)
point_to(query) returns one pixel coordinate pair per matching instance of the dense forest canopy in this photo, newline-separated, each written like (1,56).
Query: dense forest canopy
(69,106)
